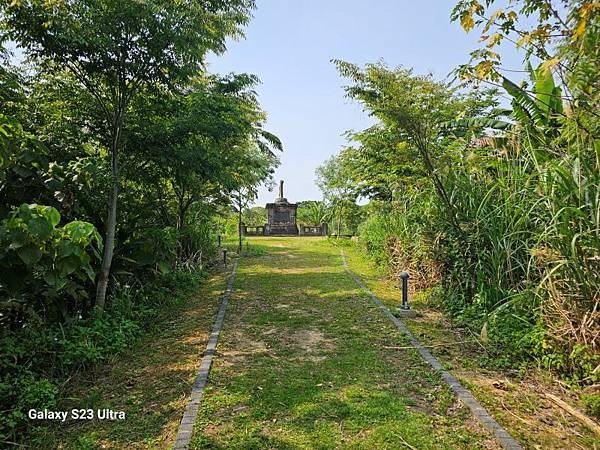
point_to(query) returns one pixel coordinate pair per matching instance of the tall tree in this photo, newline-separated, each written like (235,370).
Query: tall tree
(190,159)
(115,48)
(335,182)
(257,166)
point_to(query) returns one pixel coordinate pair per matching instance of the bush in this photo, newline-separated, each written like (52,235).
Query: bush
(37,358)
(591,402)
(399,239)
(45,268)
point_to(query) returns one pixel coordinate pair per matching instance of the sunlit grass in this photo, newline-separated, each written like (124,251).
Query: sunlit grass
(304,353)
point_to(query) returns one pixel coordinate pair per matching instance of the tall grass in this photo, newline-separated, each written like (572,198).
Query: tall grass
(569,254)
(524,269)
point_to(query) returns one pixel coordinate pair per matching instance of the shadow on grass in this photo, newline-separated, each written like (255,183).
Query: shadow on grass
(307,362)
(150,383)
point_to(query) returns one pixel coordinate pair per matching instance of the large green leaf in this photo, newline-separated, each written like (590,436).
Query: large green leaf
(68,265)
(66,248)
(25,211)
(90,273)
(528,108)
(53,215)
(18,238)
(544,88)
(79,230)
(40,227)
(54,279)
(29,254)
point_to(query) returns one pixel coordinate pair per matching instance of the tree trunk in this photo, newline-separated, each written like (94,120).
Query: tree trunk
(111,222)
(437,183)
(240,224)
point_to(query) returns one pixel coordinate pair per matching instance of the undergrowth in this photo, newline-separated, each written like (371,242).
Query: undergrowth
(37,361)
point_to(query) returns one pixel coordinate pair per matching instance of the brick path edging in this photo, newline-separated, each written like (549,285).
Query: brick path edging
(505,439)
(186,426)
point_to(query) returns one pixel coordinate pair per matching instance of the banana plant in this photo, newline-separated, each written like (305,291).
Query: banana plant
(536,105)
(539,109)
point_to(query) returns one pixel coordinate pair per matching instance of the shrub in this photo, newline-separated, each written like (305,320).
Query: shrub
(37,358)
(591,402)
(44,267)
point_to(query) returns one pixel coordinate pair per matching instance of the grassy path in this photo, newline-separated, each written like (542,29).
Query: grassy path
(517,399)
(151,382)
(306,361)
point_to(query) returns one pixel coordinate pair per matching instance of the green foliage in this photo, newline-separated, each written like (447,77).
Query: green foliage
(397,237)
(592,405)
(312,212)
(23,164)
(256,215)
(62,349)
(144,46)
(121,131)
(541,112)
(154,249)
(176,36)
(502,213)
(44,267)
(339,197)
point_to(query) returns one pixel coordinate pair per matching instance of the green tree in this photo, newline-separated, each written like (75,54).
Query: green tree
(140,44)
(257,167)
(312,212)
(339,194)
(562,35)
(255,215)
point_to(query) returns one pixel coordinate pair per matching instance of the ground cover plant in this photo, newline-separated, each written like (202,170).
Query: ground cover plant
(149,379)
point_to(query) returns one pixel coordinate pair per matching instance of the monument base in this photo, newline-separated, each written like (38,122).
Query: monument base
(287,229)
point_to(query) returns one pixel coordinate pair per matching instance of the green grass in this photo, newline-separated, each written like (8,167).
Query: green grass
(306,361)
(150,382)
(515,398)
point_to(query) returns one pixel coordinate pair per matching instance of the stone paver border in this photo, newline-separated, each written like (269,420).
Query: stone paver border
(505,439)
(186,427)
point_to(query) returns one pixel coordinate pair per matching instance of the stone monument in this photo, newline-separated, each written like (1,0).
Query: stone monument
(281,221)
(281,216)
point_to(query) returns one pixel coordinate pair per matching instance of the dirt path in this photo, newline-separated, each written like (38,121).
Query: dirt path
(306,361)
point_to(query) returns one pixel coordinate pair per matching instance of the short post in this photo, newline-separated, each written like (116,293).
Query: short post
(218,240)
(404,277)
(225,257)
(404,310)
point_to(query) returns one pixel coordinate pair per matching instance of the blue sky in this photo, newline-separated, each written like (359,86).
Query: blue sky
(289,45)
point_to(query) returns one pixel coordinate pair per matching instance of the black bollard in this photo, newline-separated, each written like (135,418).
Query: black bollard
(225,257)
(404,277)
(218,240)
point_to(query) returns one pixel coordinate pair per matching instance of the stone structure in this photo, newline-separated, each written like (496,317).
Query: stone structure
(281,216)
(313,230)
(281,220)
